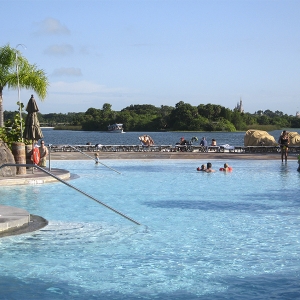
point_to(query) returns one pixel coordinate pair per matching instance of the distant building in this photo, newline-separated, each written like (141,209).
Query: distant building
(297,114)
(239,106)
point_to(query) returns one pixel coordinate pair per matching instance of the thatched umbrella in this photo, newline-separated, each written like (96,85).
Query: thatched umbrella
(32,130)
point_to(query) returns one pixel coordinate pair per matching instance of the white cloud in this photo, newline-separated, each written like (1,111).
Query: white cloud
(61,50)
(52,26)
(67,72)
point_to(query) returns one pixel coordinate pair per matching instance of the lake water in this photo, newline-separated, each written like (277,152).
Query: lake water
(203,236)
(67,137)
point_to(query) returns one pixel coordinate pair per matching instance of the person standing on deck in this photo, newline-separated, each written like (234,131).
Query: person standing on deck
(203,143)
(43,154)
(284,141)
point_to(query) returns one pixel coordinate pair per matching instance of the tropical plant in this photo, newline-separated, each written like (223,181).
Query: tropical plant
(10,133)
(16,71)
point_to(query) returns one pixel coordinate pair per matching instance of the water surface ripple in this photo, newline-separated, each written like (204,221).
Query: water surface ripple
(203,236)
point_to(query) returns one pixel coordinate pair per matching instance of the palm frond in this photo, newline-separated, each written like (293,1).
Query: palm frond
(30,77)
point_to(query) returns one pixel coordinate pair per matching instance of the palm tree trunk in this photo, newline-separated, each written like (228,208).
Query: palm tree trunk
(1,109)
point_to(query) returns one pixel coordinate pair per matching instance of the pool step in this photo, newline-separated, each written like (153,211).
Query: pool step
(12,218)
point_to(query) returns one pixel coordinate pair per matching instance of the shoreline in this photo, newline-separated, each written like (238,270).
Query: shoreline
(167,155)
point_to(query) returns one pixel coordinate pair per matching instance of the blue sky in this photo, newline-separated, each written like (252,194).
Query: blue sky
(158,52)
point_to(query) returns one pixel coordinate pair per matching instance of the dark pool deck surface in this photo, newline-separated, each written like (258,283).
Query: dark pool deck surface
(15,220)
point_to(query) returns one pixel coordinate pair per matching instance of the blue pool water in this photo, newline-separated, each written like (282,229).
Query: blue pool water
(203,236)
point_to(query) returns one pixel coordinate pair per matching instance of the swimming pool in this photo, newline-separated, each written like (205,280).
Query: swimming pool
(203,236)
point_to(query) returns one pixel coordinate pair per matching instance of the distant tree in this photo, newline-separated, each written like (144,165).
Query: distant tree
(166,110)
(269,113)
(143,109)
(237,120)
(182,116)
(199,124)
(278,113)
(249,119)
(212,111)
(107,113)
(93,112)
(295,122)
(206,111)
(259,113)
(280,122)
(163,121)
(125,118)
(77,119)
(9,114)
(225,113)
(263,120)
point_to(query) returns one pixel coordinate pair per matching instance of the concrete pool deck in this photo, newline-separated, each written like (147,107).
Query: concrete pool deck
(169,155)
(35,177)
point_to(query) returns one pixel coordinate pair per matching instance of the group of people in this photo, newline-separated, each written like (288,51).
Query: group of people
(208,168)
(39,154)
(284,141)
(204,143)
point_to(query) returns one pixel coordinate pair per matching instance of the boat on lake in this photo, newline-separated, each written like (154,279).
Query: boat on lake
(115,128)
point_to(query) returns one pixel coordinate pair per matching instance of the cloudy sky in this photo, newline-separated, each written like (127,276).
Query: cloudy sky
(158,52)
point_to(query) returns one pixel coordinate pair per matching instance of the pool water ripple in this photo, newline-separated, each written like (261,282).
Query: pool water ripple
(203,236)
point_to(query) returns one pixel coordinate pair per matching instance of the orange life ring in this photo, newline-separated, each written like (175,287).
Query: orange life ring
(36,156)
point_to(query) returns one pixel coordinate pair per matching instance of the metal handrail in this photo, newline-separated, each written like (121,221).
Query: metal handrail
(95,159)
(70,185)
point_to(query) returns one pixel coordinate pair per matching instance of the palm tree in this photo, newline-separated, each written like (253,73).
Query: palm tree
(29,76)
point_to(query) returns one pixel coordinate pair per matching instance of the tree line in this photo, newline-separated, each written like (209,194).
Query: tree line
(182,117)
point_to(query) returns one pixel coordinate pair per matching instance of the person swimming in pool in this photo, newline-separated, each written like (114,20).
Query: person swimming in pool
(209,168)
(203,168)
(226,168)
(96,158)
